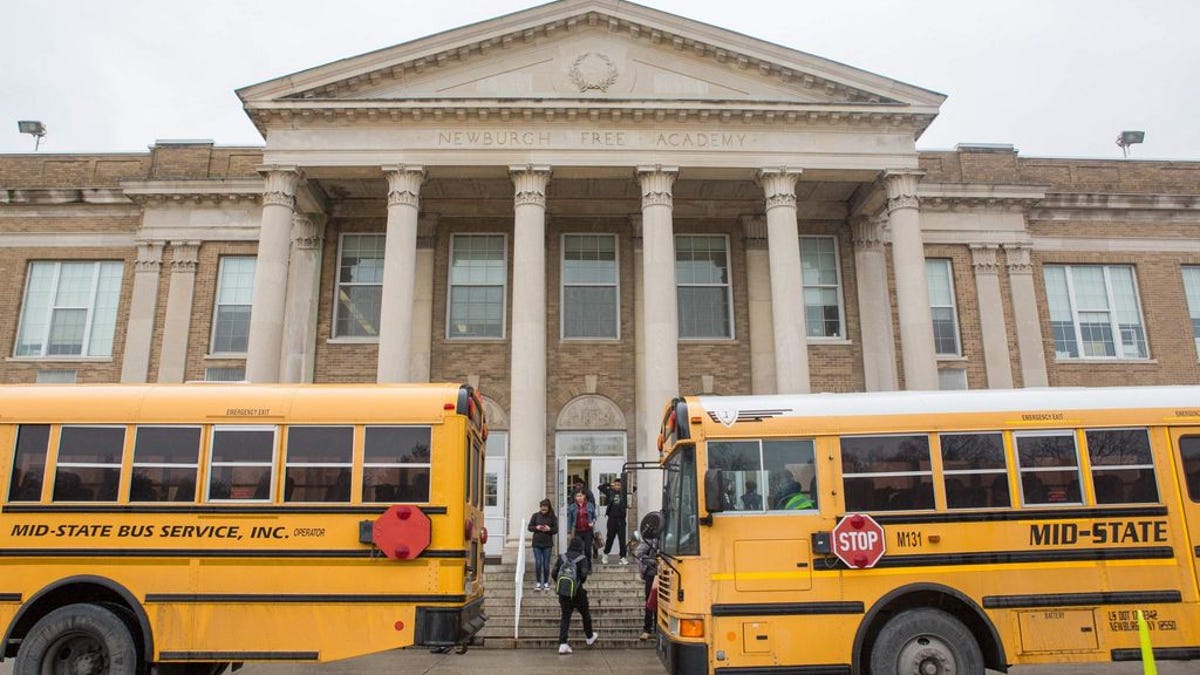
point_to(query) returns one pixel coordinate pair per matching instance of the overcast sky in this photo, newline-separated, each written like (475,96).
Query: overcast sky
(1051,77)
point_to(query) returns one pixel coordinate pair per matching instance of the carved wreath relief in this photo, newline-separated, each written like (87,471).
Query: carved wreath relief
(592,71)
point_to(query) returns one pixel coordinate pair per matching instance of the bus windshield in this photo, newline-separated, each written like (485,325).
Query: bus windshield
(681,535)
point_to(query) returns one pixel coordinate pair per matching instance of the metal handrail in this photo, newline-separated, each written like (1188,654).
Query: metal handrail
(519,577)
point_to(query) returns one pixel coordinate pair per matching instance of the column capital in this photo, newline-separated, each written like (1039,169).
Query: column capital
(280,183)
(656,182)
(902,188)
(529,184)
(866,232)
(308,229)
(984,258)
(404,184)
(779,186)
(754,229)
(185,255)
(1018,259)
(149,256)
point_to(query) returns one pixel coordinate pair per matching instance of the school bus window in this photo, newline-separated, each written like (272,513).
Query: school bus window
(89,464)
(243,464)
(1122,466)
(165,463)
(791,474)
(1049,464)
(396,464)
(29,463)
(887,473)
(975,471)
(741,463)
(319,461)
(1189,452)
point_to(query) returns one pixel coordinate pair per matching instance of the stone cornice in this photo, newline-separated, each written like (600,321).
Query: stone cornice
(959,197)
(298,113)
(55,196)
(213,192)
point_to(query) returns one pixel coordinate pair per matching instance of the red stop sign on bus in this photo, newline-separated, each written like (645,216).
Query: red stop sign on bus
(858,541)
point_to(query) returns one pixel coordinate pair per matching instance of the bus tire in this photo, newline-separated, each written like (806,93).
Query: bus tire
(81,638)
(919,641)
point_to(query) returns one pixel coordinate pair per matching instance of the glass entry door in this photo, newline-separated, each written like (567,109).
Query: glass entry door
(495,493)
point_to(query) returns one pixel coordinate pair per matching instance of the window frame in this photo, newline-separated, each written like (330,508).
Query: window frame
(450,285)
(1022,470)
(206,497)
(90,309)
(1113,322)
(288,464)
(953,306)
(134,464)
(1093,467)
(1193,311)
(946,473)
(728,285)
(843,335)
(469,484)
(337,287)
(56,440)
(212,337)
(562,288)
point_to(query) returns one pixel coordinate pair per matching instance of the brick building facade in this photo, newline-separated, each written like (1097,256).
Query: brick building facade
(582,208)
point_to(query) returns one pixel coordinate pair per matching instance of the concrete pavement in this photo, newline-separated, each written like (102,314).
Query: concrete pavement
(584,660)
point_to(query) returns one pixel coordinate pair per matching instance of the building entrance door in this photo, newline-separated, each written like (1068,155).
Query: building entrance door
(495,493)
(588,472)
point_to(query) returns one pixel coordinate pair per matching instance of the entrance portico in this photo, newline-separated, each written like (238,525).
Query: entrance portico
(587,116)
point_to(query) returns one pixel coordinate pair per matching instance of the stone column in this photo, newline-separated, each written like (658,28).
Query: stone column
(304,280)
(1025,317)
(912,288)
(172,358)
(422,319)
(787,287)
(659,321)
(399,273)
(271,274)
(874,305)
(642,424)
(527,420)
(139,332)
(991,316)
(758,291)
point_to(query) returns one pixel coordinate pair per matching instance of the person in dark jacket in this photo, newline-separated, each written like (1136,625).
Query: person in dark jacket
(574,556)
(544,525)
(616,519)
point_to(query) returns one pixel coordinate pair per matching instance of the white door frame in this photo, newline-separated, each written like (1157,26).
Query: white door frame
(610,461)
(495,518)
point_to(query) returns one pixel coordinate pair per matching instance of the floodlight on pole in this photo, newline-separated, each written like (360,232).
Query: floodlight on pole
(1128,138)
(33,128)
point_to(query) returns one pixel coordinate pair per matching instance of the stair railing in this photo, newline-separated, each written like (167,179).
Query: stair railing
(519,578)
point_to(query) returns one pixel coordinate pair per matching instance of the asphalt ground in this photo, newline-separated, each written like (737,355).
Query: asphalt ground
(584,660)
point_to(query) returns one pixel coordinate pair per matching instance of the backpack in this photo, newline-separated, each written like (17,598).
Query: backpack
(567,583)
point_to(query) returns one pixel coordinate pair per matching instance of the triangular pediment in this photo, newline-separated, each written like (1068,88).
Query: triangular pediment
(583,50)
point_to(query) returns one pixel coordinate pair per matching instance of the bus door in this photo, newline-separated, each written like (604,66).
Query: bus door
(1187,442)
(495,489)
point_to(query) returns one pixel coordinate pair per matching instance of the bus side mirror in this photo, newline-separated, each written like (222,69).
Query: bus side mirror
(714,490)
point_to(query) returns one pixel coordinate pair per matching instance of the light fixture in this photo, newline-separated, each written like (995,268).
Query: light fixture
(1128,138)
(33,128)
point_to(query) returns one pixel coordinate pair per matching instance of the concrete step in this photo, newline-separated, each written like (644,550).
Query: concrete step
(576,641)
(606,619)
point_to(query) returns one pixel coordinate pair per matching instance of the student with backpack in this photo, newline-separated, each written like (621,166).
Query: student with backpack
(570,573)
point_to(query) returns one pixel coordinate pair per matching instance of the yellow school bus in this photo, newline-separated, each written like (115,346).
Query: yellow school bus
(187,527)
(1018,527)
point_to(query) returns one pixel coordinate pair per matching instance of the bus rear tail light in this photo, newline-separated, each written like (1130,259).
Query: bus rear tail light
(402,532)
(693,628)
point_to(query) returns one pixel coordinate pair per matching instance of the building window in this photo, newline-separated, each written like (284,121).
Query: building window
(952,378)
(822,281)
(359,285)
(478,275)
(1094,312)
(225,374)
(69,309)
(1191,286)
(589,286)
(702,287)
(235,294)
(56,376)
(941,301)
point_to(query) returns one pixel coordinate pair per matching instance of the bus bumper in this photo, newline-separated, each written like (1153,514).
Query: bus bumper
(448,626)
(682,658)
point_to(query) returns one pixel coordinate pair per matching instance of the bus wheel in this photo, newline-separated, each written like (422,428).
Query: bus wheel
(78,640)
(925,642)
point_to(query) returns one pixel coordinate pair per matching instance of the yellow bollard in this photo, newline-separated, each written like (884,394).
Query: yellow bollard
(1148,667)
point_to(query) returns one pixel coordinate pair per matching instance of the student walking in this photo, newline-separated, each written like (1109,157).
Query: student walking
(544,525)
(646,555)
(570,573)
(581,522)
(616,520)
